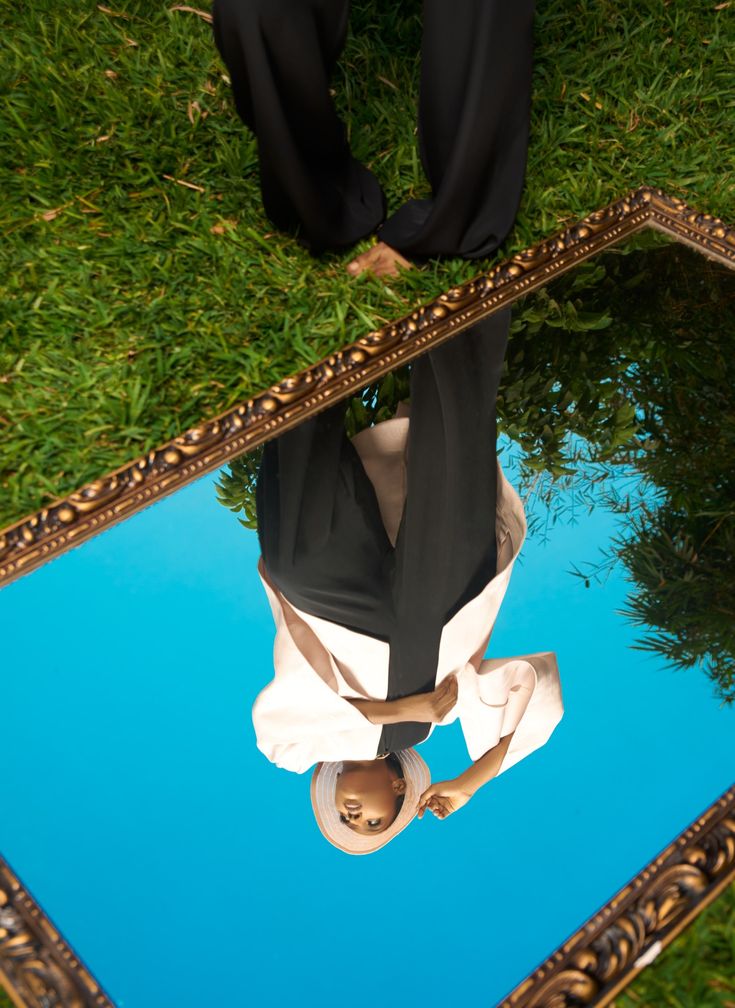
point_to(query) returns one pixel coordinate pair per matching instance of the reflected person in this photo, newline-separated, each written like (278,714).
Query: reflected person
(385,559)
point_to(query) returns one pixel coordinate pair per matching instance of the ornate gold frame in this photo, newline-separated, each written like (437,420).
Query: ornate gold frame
(101,504)
(631,930)
(37,967)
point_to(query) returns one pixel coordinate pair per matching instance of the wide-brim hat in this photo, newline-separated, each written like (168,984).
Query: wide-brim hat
(323,784)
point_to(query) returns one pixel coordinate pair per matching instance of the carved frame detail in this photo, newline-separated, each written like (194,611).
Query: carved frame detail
(70,521)
(37,967)
(645,916)
(588,970)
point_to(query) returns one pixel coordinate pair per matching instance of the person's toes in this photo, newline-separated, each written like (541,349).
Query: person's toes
(361,263)
(380,259)
(385,265)
(395,262)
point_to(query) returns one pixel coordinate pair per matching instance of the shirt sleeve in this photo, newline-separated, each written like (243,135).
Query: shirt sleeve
(520,695)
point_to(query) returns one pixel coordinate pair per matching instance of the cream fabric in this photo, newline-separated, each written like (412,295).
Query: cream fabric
(302,717)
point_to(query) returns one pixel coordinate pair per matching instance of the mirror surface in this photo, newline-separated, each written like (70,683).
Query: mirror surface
(176,859)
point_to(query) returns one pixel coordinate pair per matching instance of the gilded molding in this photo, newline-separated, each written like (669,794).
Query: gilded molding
(612,947)
(587,971)
(70,521)
(702,231)
(35,961)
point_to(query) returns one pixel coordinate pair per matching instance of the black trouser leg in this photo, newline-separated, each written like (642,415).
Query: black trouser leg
(446,543)
(280,55)
(474,111)
(446,547)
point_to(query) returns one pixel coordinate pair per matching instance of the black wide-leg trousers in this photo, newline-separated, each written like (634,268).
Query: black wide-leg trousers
(322,537)
(473,122)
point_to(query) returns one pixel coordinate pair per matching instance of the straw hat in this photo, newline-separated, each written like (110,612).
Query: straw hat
(323,783)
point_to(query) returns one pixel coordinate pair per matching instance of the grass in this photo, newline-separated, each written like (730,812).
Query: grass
(133,306)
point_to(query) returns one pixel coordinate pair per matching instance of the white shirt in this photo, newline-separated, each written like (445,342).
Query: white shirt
(303,716)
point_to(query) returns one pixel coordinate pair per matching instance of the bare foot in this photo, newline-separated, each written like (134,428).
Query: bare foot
(380,259)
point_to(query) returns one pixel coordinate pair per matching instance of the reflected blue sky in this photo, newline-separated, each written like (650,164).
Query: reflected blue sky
(186,870)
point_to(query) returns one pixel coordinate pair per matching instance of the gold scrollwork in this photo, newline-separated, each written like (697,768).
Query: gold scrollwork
(38,964)
(595,962)
(591,967)
(586,971)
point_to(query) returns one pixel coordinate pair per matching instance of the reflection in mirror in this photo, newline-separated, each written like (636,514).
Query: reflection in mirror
(633,405)
(637,420)
(385,558)
(140,810)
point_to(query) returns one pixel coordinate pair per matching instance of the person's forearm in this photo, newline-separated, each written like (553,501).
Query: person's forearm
(484,769)
(382,711)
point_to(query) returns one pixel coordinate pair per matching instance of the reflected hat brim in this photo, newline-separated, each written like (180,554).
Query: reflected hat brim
(323,783)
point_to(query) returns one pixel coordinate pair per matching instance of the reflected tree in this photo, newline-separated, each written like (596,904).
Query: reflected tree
(681,566)
(678,553)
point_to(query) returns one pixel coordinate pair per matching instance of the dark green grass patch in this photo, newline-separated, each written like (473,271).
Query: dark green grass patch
(142,286)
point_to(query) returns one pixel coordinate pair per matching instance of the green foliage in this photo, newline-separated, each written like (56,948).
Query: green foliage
(674,340)
(236,486)
(681,565)
(574,346)
(378,401)
(133,306)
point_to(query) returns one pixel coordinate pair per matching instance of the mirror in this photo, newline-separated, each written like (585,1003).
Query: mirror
(175,857)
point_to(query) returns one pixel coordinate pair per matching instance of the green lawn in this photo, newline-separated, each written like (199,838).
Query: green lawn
(134,306)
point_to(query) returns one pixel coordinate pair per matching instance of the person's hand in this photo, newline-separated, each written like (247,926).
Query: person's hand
(433,706)
(443,798)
